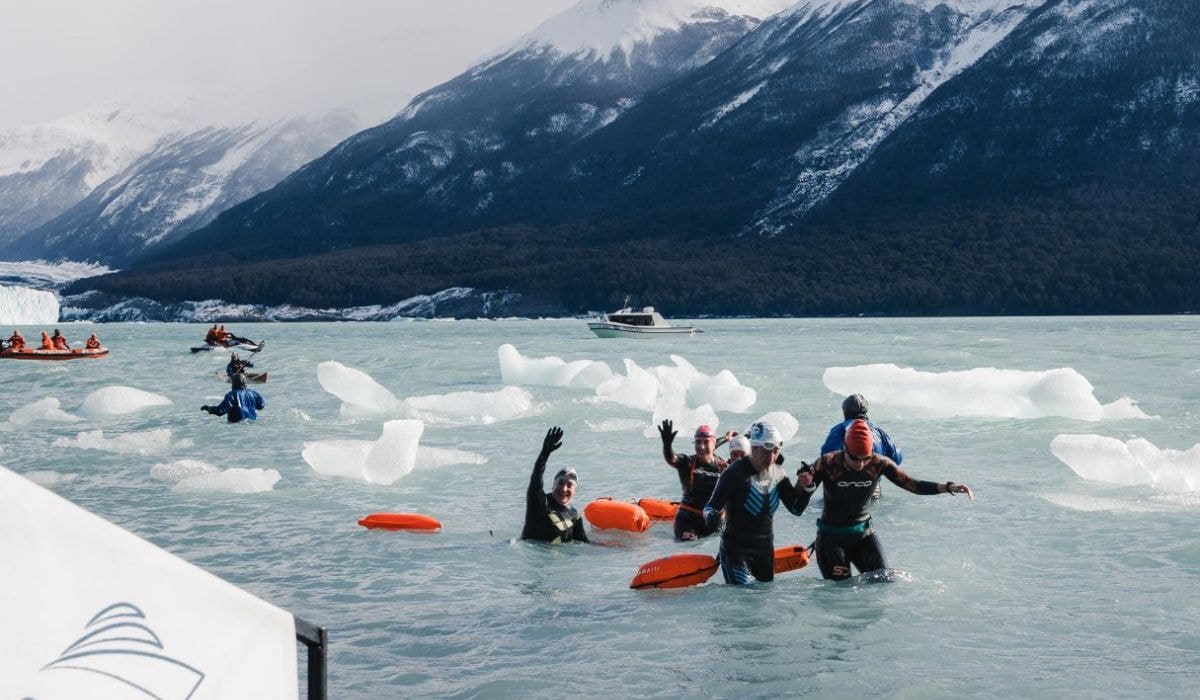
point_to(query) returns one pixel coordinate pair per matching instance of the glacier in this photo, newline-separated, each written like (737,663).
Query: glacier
(24,306)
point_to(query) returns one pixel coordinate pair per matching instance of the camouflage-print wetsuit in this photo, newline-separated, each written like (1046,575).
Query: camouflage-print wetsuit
(545,519)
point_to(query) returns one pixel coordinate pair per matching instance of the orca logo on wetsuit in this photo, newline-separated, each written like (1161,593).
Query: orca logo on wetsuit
(861,484)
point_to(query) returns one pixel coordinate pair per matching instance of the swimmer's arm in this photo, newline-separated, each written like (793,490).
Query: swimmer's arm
(899,477)
(579,533)
(716,503)
(790,496)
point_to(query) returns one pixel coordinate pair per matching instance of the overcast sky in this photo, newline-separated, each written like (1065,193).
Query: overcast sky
(60,56)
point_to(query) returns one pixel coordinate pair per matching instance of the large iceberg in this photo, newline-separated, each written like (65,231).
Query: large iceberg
(24,306)
(1132,463)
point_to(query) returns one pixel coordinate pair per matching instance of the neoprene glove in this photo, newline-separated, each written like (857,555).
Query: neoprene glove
(666,432)
(553,440)
(204,408)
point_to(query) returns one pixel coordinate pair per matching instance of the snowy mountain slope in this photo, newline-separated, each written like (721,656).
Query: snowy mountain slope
(773,126)
(436,165)
(180,184)
(47,168)
(1083,94)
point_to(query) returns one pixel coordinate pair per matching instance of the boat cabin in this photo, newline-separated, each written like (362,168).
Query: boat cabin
(646,317)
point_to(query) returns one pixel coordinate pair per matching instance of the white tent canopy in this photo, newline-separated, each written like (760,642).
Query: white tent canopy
(91,610)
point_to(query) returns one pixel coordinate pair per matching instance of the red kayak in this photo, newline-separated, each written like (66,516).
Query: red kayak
(38,354)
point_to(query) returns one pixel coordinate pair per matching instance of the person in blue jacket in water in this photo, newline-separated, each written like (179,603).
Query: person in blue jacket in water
(239,404)
(855,407)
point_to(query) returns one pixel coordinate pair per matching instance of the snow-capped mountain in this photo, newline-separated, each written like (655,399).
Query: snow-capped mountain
(179,184)
(47,168)
(975,146)
(446,154)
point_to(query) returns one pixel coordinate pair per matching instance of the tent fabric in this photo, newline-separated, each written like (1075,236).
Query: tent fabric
(92,610)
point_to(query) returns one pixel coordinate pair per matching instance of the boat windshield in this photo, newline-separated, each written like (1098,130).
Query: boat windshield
(633,319)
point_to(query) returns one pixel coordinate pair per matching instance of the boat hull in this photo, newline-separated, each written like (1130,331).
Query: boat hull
(608,329)
(38,354)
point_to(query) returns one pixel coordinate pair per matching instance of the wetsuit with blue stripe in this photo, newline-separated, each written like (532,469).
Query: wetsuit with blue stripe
(749,499)
(844,534)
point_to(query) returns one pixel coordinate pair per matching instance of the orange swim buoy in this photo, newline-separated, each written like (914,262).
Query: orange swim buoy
(605,513)
(659,509)
(790,558)
(675,571)
(401,521)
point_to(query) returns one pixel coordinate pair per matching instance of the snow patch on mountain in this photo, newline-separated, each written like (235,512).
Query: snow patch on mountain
(849,141)
(600,28)
(733,104)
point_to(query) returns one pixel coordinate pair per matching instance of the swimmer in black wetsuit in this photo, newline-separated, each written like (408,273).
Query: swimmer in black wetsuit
(549,517)
(749,490)
(849,475)
(698,475)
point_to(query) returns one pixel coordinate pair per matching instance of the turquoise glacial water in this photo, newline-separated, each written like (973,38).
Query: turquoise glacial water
(1050,584)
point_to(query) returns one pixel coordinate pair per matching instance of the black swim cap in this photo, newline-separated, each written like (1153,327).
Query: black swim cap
(238,380)
(855,406)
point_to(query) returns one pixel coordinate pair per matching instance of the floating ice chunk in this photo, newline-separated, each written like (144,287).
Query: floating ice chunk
(383,461)
(465,407)
(723,392)
(1099,458)
(234,480)
(42,409)
(986,391)
(180,469)
(614,425)
(362,396)
(432,457)
(47,478)
(516,369)
(150,442)
(637,388)
(119,400)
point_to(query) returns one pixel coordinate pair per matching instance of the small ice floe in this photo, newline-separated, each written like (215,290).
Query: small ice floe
(381,461)
(48,478)
(1133,463)
(516,369)
(46,409)
(614,425)
(119,400)
(469,407)
(362,396)
(235,480)
(150,442)
(433,457)
(984,391)
(190,475)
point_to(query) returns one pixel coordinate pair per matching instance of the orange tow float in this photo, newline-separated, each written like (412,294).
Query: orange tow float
(401,521)
(605,513)
(683,570)
(659,509)
(675,571)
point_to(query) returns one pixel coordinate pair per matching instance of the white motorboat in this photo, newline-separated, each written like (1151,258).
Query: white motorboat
(628,323)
